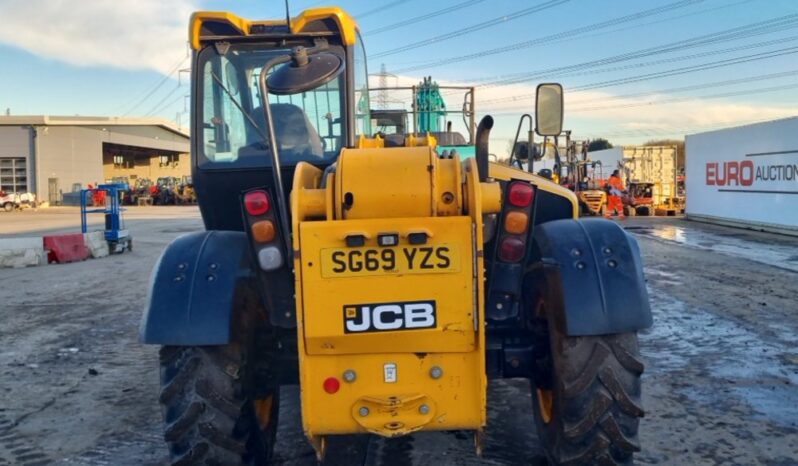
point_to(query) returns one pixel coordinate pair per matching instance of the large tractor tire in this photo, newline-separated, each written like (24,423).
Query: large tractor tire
(587,398)
(217,407)
(210,410)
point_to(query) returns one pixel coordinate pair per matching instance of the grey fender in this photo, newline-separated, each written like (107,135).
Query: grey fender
(193,287)
(594,275)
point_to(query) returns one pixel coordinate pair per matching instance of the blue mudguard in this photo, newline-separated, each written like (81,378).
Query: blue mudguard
(595,275)
(193,287)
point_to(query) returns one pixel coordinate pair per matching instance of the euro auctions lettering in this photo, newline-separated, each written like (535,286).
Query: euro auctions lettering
(749,173)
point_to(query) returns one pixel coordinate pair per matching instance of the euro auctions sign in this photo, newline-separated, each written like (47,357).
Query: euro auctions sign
(747,172)
(745,175)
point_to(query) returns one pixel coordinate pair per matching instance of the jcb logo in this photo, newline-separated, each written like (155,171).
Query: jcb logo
(383,317)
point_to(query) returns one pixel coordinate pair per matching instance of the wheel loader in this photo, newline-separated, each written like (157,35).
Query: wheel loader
(389,283)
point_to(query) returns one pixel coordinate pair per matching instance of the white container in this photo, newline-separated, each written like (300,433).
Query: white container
(745,176)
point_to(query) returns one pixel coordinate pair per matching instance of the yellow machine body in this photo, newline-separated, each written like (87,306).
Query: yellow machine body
(419,361)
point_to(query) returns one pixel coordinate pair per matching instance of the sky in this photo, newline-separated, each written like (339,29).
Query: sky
(633,70)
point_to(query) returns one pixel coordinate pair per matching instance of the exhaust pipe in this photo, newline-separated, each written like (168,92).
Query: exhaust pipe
(483,135)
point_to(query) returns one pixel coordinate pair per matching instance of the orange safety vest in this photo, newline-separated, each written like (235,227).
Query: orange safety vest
(616,183)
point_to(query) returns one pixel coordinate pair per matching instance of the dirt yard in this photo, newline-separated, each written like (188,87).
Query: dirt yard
(720,387)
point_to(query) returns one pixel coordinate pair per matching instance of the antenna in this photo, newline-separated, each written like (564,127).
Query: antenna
(287,15)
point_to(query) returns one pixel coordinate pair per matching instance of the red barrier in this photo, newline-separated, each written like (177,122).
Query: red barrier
(65,248)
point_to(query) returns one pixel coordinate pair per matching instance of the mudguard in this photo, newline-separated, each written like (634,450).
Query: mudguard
(192,289)
(595,275)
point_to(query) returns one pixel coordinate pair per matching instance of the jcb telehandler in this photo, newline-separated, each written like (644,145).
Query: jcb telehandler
(390,284)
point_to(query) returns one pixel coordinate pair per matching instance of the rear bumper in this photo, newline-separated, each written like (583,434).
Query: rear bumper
(394,394)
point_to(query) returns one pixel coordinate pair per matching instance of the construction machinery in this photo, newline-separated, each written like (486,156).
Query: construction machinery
(389,283)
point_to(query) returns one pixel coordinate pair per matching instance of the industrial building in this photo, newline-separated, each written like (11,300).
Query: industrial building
(52,155)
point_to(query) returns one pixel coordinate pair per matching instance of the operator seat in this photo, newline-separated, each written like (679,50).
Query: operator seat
(296,136)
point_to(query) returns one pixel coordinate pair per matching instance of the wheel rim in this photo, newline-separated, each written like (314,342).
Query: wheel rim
(545,404)
(263,411)
(544,397)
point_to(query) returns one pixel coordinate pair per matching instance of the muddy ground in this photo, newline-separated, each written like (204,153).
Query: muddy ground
(720,388)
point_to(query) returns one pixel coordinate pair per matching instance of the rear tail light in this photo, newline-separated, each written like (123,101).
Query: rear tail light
(263,231)
(256,203)
(521,194)
(270,258)
(516,222)
(511,249)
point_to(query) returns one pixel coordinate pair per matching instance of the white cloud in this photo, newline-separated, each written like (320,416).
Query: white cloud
(127,34)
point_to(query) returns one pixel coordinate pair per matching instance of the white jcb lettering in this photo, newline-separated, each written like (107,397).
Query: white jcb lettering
(365,321)
(390,323)
(419,315)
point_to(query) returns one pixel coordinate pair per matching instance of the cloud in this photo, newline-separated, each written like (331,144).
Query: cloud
(127,34)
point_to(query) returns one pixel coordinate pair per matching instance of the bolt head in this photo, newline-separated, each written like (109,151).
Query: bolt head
(363,411)
(436,372)
(423,409)
(349,375)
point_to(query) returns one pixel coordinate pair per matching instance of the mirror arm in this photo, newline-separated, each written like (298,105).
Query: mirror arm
(515,141)
(282,207)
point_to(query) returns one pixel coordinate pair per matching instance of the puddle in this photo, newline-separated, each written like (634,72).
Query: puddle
(779,255)
(759,372)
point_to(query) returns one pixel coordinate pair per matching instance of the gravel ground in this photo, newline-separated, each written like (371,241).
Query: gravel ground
(720,388)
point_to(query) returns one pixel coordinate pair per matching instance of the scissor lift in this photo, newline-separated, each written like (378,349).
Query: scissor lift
(117,236)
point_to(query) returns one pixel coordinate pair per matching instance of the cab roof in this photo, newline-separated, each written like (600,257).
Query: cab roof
(216,25)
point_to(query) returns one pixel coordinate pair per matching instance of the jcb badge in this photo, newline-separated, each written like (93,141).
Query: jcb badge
(384,317)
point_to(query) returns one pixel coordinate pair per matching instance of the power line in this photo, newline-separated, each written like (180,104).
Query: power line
(552,37)
(473,28)
(701,67)
(157,106)
(730,82)
(687,99)
(156,87)
(646,64)
(420,18)
(690,69)
(751,30)
(379,9)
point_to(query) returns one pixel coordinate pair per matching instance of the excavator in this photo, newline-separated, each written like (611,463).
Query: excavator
(389,283)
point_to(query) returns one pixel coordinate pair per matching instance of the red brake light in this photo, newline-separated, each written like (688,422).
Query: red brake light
(511,249)
(331,385)
(520,194)
(256,202)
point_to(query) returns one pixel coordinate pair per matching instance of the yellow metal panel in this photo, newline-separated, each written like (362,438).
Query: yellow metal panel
(199,17)
(390,182)
(346,24)
(455,400)
(442,272)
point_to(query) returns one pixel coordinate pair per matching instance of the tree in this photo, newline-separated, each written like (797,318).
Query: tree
(599,144)
(679,143)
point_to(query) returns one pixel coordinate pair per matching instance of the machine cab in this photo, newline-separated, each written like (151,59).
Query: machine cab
(228,118)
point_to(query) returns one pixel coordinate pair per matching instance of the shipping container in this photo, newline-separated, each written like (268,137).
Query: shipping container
(745,176)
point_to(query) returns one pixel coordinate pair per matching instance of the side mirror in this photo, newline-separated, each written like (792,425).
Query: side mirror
(549,109)
(304,72)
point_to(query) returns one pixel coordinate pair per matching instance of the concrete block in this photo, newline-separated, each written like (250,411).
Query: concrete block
(21,252)
(95,241)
